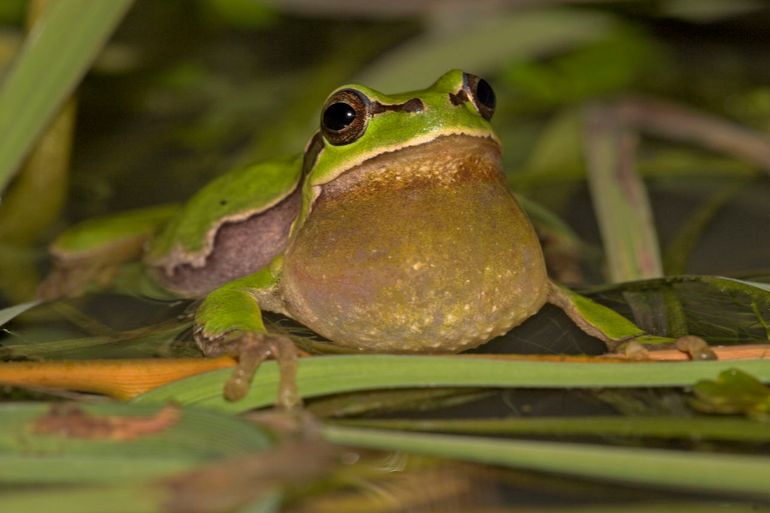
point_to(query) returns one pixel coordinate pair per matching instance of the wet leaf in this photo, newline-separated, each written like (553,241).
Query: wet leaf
(721,310)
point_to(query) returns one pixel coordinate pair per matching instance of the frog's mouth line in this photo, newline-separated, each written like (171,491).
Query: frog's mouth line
(437,162)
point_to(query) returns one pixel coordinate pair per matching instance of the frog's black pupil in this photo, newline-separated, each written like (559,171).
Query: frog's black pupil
(338,116)
(485,95)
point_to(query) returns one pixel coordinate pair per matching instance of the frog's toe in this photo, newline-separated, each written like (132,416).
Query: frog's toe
(251,349)
(633,350)
(695,347)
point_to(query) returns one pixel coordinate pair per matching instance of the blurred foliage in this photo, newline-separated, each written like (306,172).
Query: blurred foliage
(733,392)
(621,60)
(12,11)
(186,90)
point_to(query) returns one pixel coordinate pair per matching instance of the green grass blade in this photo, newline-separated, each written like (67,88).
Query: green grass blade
(318,376)
(716,473)
(8,314)
(52,60)
(669,428)
(620,199)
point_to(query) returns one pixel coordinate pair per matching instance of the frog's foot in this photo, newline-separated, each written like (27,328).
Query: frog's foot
(695,347)
(251,349)
(618,333)
(634,350)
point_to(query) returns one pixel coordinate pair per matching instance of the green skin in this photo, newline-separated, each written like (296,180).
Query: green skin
(404,240)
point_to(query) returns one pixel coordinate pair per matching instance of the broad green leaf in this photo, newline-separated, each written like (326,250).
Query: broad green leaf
(31,454)
(721,310)
(749,283)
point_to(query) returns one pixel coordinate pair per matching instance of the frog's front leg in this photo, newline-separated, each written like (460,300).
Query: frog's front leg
(229,322)
(617,332)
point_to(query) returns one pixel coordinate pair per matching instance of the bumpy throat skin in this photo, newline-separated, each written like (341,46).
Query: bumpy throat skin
(420,250)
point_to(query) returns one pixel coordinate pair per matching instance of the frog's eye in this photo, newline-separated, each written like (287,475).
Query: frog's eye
(481,94)
(345,117)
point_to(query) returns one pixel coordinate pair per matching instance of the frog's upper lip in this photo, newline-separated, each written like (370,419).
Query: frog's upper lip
(463,142)
(426,163)
(422,141)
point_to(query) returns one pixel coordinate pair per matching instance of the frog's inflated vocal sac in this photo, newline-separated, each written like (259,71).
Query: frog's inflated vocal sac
(395,231)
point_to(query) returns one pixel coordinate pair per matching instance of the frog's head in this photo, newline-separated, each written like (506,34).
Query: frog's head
(359,124)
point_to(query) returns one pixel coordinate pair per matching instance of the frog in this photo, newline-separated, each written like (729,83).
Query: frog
(394,231)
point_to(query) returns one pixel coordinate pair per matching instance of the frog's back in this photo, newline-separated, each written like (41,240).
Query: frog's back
(232,227)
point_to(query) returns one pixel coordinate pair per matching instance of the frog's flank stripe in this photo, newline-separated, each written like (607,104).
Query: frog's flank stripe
(314,148)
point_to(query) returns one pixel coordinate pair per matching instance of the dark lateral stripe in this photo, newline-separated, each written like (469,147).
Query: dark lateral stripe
(413,105)
(313,150)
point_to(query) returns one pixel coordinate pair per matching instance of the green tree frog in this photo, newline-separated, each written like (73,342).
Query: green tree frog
(393,232)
